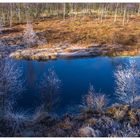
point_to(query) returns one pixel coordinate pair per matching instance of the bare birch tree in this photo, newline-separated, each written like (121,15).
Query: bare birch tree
(127,83)
(50,84)
(11,15)
(11,83)
(124,15)
(139,10)
(116,11)
(64,11)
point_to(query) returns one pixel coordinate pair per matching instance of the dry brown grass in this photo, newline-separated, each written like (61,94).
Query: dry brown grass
(87,31)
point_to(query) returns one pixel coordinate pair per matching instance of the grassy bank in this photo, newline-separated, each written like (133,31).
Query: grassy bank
(81,32)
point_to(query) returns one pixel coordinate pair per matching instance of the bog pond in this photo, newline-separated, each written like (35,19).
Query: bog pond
(75,76)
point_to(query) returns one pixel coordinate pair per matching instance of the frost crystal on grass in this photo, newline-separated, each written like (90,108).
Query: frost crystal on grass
(2,43)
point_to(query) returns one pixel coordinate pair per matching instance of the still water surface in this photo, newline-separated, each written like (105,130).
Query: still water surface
(75,76)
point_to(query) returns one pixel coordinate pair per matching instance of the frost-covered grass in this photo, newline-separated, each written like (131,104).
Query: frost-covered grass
(96,121)
(87,124)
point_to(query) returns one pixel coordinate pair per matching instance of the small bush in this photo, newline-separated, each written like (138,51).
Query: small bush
(100,102)
(29,38)
(119,114)
(94,101)
(49,89)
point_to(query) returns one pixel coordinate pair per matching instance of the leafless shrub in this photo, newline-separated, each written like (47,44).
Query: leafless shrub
(30,38)
(11,87)
(89,98)
(100,102)
(16,121)
(11,82)
(94,100)
(127,81)
(119,114)
(50,85)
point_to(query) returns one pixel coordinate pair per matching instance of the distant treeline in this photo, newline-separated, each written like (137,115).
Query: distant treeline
(22,12)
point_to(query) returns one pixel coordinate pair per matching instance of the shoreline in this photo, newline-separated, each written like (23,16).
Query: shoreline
(74,52)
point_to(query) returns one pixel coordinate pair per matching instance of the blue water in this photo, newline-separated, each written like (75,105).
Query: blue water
(75,76)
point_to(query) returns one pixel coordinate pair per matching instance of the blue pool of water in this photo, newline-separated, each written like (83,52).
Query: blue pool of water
(75,76)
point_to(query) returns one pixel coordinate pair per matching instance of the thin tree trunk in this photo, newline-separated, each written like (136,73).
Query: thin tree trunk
(106,12)
(124,15)
(127,17)
(102,14)
(19,15)
(64,11)
(116,11)
(139,10)
(11,15)
(98,14)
